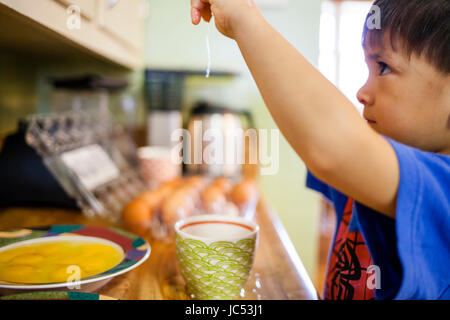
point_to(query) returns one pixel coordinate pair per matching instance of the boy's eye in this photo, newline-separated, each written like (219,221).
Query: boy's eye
(384,68)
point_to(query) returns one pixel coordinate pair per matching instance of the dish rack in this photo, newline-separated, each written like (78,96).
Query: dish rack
(92,157)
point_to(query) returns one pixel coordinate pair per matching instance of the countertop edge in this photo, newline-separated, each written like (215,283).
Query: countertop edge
(291,251)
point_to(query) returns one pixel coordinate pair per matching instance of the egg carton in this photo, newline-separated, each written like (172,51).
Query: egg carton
(79,148)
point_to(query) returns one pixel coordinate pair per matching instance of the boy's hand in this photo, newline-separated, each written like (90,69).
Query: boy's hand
(229,14)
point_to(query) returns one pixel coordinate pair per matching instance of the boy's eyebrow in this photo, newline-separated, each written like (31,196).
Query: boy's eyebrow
(374,56)
(381,56)
(392,60)
(371,57)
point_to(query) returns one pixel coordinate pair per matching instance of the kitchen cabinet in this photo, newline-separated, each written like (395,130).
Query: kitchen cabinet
(122,20)
(109,30)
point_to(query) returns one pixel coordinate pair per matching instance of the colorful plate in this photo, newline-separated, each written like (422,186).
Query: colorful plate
(136,250)
(56,295)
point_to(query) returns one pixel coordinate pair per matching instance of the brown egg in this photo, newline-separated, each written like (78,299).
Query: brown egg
(136,211)
(213,198)
(174,183)
(175,207)
(212,193)
(190,192)
(224,184)
(167,188)
(137,228)
(243,192)
(197,182)
(152,198)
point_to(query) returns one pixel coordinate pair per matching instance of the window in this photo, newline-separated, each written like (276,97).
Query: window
(341,57)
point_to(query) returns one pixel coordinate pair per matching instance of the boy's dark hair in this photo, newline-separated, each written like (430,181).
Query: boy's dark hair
(417,26)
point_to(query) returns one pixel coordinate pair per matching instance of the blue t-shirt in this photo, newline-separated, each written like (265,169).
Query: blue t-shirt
(413,250)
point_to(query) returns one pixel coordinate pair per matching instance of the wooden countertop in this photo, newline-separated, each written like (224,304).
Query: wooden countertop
(277,273)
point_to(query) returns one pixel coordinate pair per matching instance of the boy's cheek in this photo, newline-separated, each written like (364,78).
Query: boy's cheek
(392,100)
(389,120)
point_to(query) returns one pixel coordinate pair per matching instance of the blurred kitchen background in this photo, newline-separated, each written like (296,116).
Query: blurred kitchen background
(123,54)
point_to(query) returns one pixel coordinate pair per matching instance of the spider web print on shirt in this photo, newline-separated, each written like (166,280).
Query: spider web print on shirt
(347,276)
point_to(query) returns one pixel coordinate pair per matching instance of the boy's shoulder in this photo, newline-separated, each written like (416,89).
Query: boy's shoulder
(420,169)
(424,181)
(418,155)
(422,221)
(415,166)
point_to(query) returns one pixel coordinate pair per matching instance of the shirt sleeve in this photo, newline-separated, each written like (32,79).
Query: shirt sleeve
(338,199)
(313,183)
(423,223)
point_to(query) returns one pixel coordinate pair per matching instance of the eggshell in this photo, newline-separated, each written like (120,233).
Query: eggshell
(224,184)
(166,189)
(136,211)
(213,198)
(243,192)
(197,182)
(212,194)
(176,206)
(175,182)
(153,198)
(230,209)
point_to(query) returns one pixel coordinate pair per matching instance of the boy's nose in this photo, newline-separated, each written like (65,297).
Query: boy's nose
(365,96)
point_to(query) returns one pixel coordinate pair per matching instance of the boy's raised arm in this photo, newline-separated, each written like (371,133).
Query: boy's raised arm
(319,122)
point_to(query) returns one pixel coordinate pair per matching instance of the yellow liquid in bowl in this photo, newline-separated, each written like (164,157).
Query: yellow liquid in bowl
(57,261)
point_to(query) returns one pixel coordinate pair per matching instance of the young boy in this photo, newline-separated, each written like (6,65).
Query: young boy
(388,175)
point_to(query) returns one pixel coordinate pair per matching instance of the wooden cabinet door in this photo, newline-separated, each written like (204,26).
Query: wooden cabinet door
(124,19)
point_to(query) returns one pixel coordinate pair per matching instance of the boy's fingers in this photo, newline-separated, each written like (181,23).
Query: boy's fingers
(199,4)
(200,9)
(195,16)
(206,14)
